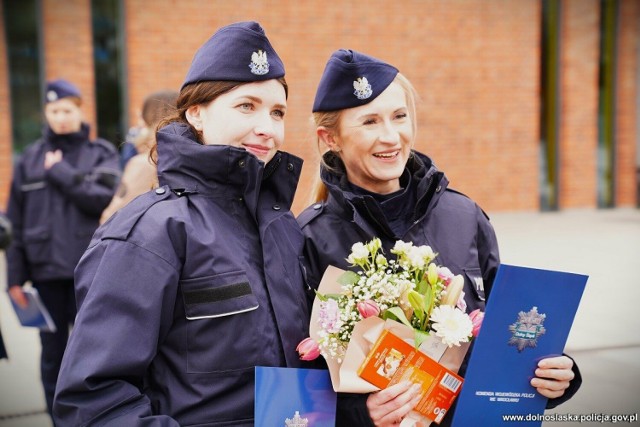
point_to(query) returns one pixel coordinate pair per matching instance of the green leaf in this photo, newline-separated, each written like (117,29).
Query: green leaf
(417,303)
(321,297)
(420,337)
(422,286)
(348,277)
(398,314)
(428,300)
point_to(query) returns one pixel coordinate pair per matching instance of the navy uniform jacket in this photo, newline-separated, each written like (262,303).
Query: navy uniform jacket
(185,290)
(54,213)
(452,224)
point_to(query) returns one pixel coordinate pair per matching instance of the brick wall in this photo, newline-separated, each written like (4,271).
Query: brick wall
(627,126)
(5,120)
(68,48)
(579,50)
(474,63)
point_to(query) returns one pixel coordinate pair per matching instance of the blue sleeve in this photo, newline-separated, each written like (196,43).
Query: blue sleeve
(90,192)
(104,365)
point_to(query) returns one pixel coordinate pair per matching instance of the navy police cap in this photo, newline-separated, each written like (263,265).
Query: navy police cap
(238,52)
(58,89)
(351,79)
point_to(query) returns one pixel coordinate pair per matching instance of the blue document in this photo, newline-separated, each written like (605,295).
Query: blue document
(294,397)
(35,314)
(528,317)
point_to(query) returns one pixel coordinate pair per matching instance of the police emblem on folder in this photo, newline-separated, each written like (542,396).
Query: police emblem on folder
(527,329)
(292,397)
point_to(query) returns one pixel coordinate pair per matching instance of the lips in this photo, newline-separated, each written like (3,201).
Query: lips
(389,155)
(257,150)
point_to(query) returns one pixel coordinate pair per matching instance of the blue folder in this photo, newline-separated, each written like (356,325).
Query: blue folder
(528,317)
(289,396)
(35,314)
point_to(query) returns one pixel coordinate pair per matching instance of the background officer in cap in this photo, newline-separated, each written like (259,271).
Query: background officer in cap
(189,287)
(60,186)
(373,184)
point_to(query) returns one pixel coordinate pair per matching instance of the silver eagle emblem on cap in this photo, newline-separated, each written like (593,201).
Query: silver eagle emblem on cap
(362,88)
(259,63)
(52,96)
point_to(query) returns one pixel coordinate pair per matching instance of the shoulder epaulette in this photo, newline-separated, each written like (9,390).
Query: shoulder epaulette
(464,195)
(103,143)
(310,213)
(129,215)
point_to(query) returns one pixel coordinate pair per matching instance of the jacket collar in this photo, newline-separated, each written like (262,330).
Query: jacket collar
(187,166)
(66,142)
(426,179)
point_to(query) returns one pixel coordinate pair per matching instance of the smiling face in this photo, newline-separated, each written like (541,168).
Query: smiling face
(64,116)
(374,141)
(251,116)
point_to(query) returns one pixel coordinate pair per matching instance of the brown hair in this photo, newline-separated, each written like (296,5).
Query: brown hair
(331,121)
(156,106)
(200,93)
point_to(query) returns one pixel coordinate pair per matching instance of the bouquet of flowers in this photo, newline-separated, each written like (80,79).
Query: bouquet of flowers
(410,290)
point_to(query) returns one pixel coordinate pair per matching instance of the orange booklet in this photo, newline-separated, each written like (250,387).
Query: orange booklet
(393,360)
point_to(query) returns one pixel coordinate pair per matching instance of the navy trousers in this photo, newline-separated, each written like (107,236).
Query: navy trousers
(59,298)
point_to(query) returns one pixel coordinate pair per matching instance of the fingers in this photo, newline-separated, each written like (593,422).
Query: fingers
(51,158)
(559,362)
(390,393)
(553,376)
(16,294)
(390,406)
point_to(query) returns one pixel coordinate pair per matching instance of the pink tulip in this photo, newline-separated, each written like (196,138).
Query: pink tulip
(445,275)
(308,349)
(477,317)
(368,308)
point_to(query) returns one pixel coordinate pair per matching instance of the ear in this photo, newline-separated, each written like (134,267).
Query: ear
(328,138)
(193,115)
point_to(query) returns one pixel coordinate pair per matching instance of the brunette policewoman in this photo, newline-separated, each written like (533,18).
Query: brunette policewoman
(188,287)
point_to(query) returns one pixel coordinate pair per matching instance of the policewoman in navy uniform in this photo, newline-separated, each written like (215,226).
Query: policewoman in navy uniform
(373,184)
(190,286)
(60,186)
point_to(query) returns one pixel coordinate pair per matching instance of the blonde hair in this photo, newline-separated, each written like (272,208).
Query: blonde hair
(330,120)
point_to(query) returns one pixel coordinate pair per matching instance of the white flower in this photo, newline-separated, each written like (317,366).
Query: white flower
(452,325)
(401,248)
(359,254)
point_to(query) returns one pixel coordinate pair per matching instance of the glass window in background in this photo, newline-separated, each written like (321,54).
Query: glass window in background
(108,51)
(21,23)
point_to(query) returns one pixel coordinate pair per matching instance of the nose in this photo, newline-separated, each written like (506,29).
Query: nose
(388,133)
(265,125)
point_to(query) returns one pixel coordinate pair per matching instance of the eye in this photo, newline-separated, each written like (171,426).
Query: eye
(401,115)
(246,106)
(369,122)
(278,113)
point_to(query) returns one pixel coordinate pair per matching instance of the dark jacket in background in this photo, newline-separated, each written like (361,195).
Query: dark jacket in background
(5,240)
(185,290)
(55,212)
(451,223)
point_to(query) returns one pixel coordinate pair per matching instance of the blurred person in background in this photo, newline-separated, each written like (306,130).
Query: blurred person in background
(140,174)
(5,240)
(373,184)
(60,186)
